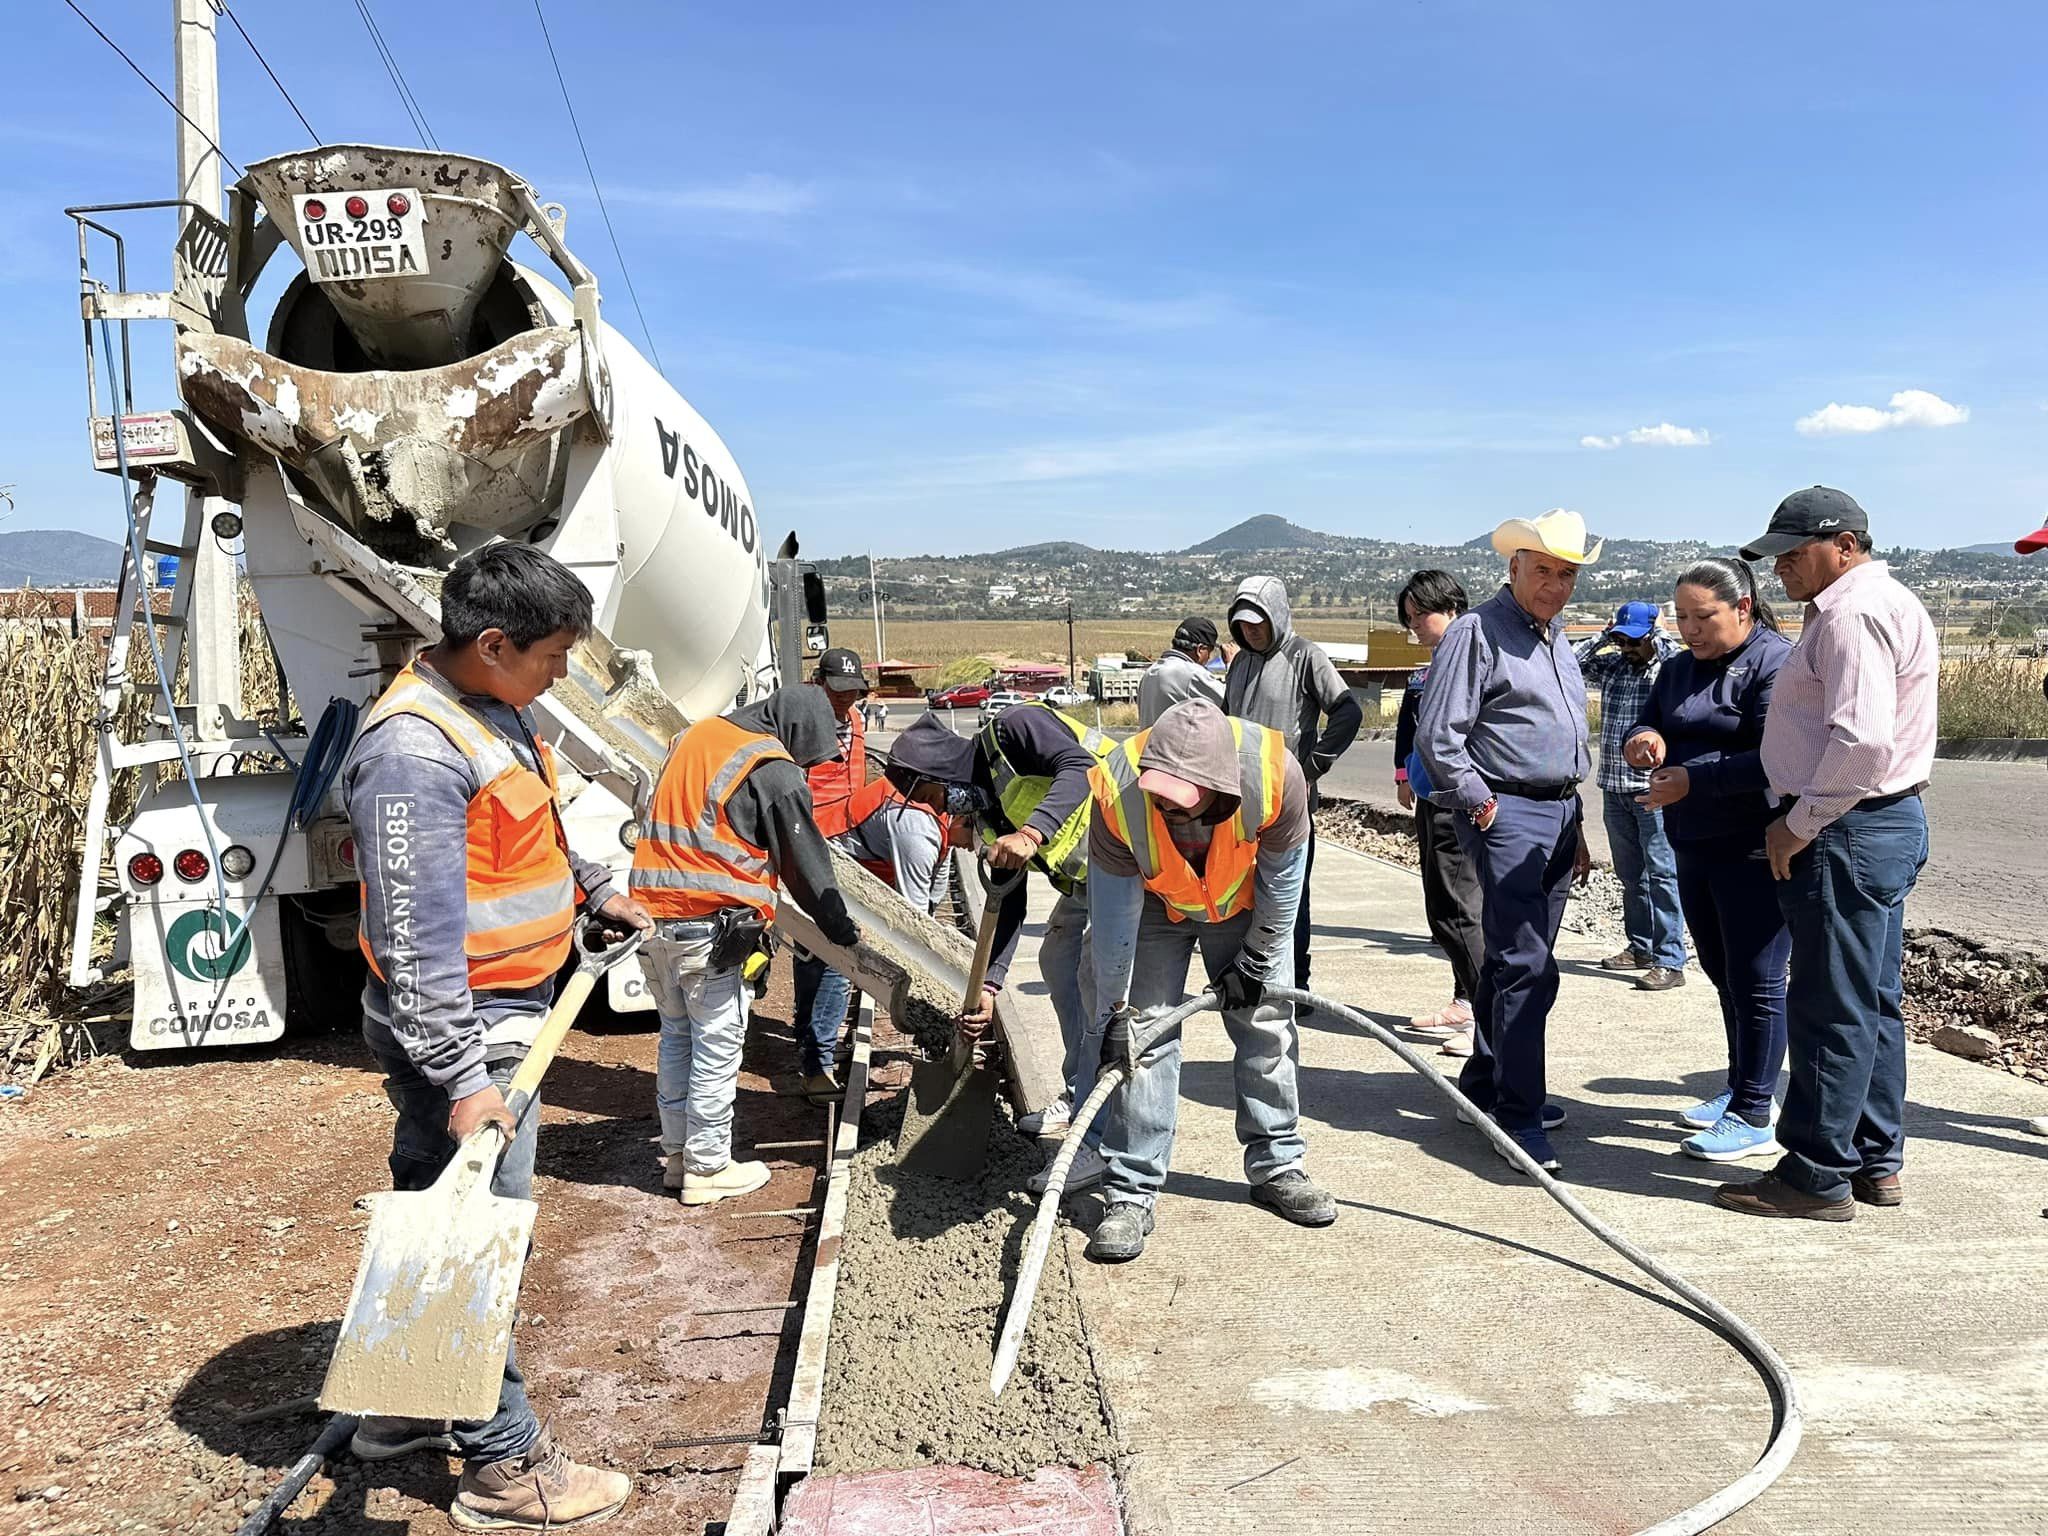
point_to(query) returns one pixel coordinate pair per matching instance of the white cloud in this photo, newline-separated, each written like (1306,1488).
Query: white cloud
(1663,435)
(773,197)
(1909,408)
(1048,294)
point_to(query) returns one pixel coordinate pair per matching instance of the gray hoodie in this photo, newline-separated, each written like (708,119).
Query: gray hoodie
(1291,685)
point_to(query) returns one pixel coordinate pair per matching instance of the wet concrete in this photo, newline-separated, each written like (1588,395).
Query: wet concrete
(927,1266)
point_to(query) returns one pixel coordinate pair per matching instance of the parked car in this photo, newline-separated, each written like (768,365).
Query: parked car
(1066,697)
(996,703)
(965,696)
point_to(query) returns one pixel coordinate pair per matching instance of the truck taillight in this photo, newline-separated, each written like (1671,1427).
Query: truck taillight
(347,850)
(145,869)
(357,207)
(316,210)
(398,204)
(237,862)
(191,865)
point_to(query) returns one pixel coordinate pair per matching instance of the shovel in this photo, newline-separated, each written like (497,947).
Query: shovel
(953,1097)
(430,1319)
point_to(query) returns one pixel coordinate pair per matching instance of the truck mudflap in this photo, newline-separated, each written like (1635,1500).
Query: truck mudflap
(401,455)
(192,989)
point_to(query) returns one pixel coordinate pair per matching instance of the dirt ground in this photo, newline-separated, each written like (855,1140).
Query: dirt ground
(183,1231)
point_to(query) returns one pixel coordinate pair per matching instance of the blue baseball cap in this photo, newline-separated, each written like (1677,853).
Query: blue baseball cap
(1634,620)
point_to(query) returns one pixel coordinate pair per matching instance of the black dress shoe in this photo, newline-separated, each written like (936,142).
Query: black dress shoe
(1660,978)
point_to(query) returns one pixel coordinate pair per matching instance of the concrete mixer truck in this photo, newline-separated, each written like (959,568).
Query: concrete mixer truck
(417,392)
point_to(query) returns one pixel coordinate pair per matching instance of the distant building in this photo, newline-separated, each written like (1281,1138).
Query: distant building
(1001,593)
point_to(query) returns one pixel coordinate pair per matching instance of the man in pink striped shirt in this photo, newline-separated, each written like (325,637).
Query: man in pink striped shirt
(1848,746)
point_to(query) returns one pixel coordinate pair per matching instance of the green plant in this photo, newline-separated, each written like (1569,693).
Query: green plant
(1994,696)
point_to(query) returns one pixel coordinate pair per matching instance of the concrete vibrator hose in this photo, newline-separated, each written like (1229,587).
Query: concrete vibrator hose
(1142,1032)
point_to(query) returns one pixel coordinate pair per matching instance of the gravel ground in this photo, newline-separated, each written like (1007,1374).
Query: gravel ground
(1950,979)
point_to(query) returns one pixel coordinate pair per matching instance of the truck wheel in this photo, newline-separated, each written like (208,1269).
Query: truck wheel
(323,985)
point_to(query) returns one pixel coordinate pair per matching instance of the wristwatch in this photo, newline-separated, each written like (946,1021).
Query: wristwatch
(1479,811)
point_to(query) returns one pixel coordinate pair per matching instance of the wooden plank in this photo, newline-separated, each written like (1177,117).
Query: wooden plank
(1036,1058)
(807,1380)
(753,1502)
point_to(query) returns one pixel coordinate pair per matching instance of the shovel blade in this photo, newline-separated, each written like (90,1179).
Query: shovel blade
(430,1318)
(946,1119)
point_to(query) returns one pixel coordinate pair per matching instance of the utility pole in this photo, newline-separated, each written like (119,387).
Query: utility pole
(875,607)
(213,620)
(1071,683)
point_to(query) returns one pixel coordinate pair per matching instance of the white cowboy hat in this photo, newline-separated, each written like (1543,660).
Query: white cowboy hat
(1557,532)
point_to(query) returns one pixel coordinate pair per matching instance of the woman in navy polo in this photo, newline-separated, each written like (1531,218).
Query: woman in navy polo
(1699,733)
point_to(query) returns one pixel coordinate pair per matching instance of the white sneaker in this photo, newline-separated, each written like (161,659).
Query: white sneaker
(731,1181)
(1459,1044)
(1052,1120)
(1087,1171)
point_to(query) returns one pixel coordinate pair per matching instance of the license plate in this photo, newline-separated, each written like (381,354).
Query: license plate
(353,236)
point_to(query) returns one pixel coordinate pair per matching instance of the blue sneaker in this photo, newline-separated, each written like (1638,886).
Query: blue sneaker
(1707,1114)
(1554,1115)
(1731,1139)
(1537,1145)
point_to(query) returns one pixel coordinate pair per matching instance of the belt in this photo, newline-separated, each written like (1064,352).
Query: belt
(1521,791)
(1873,803)
(683,927)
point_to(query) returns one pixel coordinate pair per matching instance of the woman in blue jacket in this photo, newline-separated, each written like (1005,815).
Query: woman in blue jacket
(1700,733)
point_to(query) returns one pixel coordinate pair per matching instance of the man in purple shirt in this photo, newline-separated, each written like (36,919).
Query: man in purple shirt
(1848,745)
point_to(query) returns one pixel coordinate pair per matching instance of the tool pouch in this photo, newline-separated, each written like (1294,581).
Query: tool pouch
(736,933)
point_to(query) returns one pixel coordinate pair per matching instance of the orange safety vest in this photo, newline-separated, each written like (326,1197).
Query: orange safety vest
(689,862)
(522,890)
(835,783)
(1225,886)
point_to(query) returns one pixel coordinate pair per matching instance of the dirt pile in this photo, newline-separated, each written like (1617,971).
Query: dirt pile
(925,1272)
(1388,835)
(1954,980)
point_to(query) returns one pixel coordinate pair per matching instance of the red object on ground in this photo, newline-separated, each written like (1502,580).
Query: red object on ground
(953,1501)
(2038,539)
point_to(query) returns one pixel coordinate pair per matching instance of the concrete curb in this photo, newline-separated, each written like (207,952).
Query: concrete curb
(1992,749)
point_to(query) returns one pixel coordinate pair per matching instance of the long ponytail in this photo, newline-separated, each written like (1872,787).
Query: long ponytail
(1730,580)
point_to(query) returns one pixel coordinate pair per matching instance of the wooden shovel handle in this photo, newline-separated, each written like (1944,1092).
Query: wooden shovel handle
(561,1018)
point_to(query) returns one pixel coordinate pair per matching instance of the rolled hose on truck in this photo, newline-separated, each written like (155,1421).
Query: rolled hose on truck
(1786,1431)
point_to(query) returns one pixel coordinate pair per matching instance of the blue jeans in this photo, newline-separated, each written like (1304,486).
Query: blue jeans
(420,1149)
(1649,879)
(1524,862)
(1068,967)
(1731,905)
(703,1035)
(1137,1140)
(1846,1037)
(822,996)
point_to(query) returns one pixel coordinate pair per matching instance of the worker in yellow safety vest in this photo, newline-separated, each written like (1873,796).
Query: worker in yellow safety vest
(469,894)
(731,824)
(1200,839)
(1024,778)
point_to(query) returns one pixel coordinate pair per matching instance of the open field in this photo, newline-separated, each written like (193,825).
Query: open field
(939,641)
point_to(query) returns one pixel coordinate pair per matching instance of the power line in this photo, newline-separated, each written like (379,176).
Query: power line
(287,95)
(624,271)
(406,99)
(144,78)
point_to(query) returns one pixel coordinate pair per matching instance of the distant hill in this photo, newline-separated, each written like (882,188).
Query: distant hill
(2004,548)
(1057,549)
(57,557)
(1264,532)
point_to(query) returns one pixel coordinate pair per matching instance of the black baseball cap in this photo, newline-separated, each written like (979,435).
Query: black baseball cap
(1818,513)
(839,669)
(1194,632)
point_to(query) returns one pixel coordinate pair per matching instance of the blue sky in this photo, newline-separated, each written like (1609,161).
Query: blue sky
(951,278)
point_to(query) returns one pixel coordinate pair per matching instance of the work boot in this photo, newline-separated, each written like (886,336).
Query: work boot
(1630,959)
(1660,978)
(380,1437)
(1297,1197)
(1877,1188)
(731,1181)
(822,1087)
(1120,1235)
(541,1491)
(1772,1196)
(672,1172)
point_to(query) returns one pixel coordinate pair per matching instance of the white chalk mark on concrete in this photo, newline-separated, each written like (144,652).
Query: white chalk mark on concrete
(1351,1389)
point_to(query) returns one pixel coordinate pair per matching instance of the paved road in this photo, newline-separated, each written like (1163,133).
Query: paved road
(1986,876)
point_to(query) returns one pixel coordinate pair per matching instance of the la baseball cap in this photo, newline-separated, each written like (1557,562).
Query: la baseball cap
(839,669)
(1819,512)
(1634,620)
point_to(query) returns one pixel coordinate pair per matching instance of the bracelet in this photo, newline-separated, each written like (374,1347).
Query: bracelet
(1477,811)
